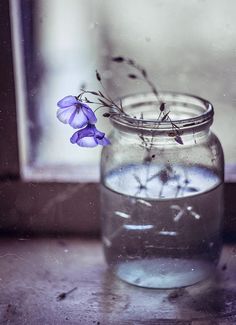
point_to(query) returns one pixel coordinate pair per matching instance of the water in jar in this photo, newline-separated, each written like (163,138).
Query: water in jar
(162,224)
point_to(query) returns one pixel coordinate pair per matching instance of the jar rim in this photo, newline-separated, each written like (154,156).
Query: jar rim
(203,116)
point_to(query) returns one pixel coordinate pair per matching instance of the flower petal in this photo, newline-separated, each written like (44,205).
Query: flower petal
(104,141)
(99,135)
(89,114)
(78,120)
(87,142)
(86,132)
(67,101)
(89,137)
(65,114)
(74,137)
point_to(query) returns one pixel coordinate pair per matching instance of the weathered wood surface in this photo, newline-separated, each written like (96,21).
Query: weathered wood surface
(34,272)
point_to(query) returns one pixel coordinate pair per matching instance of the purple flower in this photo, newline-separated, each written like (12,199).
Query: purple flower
(77,114)
(89,137)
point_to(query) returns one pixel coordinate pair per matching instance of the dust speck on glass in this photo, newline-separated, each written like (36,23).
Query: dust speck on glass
(162,173)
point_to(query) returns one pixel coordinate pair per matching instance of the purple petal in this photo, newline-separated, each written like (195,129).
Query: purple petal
(65,114)
(74,137)
(89,137)
(86,132)
(99,135)
(89,113)
(87,142)
(78,119)
(67,101)
(104,141)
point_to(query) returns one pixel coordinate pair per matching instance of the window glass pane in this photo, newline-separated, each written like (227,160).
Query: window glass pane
(186,46)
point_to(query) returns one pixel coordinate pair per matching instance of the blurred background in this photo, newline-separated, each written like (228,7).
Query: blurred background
(186,46)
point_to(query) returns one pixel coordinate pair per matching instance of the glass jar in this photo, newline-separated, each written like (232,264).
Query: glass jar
(162,192)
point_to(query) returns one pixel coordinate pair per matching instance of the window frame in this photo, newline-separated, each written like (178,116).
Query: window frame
(38,207)
(30,207)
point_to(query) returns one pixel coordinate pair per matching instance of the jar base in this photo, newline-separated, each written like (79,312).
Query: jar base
(164,273)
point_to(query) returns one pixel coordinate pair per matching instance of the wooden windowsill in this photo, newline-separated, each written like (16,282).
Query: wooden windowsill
(35,271)
(68,208)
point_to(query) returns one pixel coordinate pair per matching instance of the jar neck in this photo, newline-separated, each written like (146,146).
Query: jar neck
(184,114)
(162,138)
